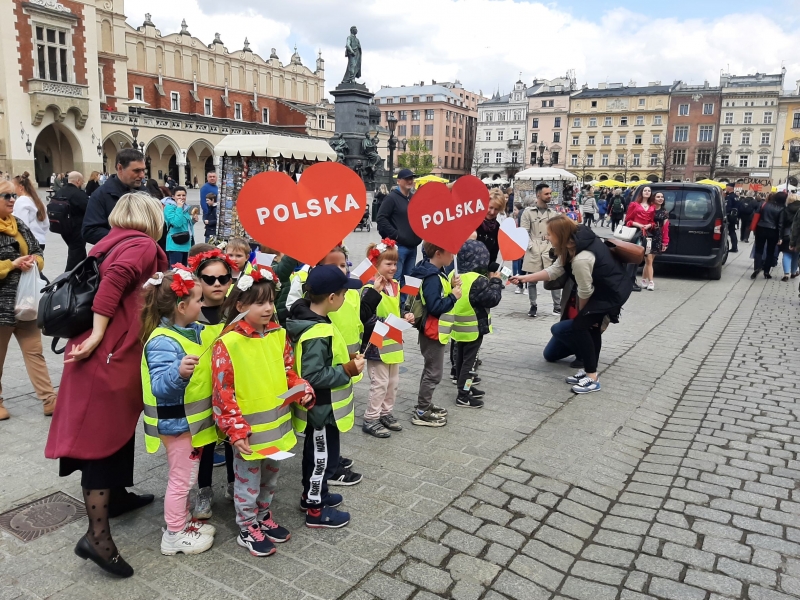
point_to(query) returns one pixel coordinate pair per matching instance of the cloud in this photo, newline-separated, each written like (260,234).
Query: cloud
(490,43)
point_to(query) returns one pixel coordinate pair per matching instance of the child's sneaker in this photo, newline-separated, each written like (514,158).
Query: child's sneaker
(203,527)
(326,518)
(428,419)
(202,504)
(468,401)
(187,541)
(332,500)
(391,423)
(575,379)
(345,463)
(274,532)
(255,540)
(438,410)
(476,393)
(586,386)
(345,477)
(375,429)
(229,492)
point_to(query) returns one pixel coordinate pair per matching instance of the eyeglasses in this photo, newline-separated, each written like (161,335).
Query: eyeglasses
(9,196)
(211,279)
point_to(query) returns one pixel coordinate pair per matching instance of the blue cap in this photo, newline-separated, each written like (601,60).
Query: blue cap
(406,174)
(329,279)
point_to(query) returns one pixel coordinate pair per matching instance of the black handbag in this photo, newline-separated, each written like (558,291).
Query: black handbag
(180,237)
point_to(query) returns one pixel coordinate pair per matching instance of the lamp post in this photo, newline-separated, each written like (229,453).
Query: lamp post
(542,149)
(788,164)
(391,120)
(28,145)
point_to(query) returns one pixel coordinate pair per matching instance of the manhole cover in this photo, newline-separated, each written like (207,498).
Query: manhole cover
(40,517)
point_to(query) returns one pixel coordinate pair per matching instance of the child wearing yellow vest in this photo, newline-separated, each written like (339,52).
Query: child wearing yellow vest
(176,385)
(383,364)
(238,250)
(252,368)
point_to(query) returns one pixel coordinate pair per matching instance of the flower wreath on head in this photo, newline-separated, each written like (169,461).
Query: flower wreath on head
(197,262)
(245,282)
(380,248)
(182,281)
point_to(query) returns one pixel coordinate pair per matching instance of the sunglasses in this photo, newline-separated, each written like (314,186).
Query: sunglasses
(211,279)
(9,196)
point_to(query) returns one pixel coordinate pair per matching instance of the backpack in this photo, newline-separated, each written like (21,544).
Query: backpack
(65,309)
(60,216)
(617,206)
(417,308)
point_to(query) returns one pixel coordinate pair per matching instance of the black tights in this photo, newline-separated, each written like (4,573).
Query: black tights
(207,464)
(99,532)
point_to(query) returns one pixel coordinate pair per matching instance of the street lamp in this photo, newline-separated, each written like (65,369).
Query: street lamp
(403,144)
(99,149)
(391,121)
(542,149)
(788,163)
(135,134)
(28,145)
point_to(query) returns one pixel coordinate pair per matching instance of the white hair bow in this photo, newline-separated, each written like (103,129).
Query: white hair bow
(154,280)
(185,275)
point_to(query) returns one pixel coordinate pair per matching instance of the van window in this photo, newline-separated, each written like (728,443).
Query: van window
(697,205)
(669,199)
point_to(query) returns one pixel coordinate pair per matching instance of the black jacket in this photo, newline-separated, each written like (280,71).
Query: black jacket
(772,217)
(432,291)
(101,203)
(612,284)
(731,203)
(210,215)
(78,200)
(91,186)
(789,214)
(393,220)
(747,206)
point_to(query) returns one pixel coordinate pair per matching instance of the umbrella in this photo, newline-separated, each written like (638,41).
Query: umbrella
(711,182)
(611,183)
(545,174)
(420,181)
(782,188)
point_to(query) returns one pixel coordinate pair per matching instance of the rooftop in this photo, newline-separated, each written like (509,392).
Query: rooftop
(610,92)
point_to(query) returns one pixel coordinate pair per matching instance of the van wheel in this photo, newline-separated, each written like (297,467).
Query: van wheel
(715,273)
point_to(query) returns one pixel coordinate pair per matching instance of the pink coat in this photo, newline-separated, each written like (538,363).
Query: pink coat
(100,398)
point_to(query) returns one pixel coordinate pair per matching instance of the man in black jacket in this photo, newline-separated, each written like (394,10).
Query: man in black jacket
(732,215)
(747,207)
(393,224)
(130,174)
(78,200)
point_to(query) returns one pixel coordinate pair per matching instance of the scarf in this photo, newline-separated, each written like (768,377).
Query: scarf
(489,226)
(9,227)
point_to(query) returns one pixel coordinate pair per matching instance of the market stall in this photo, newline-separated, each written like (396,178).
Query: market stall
(525,183)
(243,156)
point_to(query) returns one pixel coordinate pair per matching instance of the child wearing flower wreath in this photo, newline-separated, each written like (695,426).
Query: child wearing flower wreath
(176,382)
(252,369)
(383,364)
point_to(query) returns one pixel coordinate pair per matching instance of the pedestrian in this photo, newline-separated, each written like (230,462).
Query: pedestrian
(130,171)
(640,215)
(601,288)
(732,215)
(378,200)
(516,266)
(747,207)
(489,229)
(794,237)
(194,182)
(78,200)
(537,256)
(509,202)
(769,228)
(393,224)
(19,251)
(616,208)
(30,209)
(589,208)
(92,184)
(789,249)
(179,221)
(659,239)
(210,217)
(176,384)
(209,187)
(602,208)
(58,182)
(100,396)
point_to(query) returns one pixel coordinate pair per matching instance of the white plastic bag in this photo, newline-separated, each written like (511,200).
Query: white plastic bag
(29,292)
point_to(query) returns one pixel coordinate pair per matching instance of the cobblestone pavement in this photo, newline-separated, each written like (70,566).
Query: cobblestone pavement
(677,481)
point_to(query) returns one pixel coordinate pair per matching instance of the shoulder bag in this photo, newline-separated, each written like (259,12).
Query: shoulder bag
(625,252)
(626,234)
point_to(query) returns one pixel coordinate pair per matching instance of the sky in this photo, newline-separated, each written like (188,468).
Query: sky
(490,44)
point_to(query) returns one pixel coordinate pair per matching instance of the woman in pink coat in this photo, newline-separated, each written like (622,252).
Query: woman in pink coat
(100,397)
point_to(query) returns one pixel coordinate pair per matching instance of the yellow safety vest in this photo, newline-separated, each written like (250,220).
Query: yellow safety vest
(391,352)
(348,320)
(302,274)
(465,326)
(196,405)
(445,320)
(259,378)
(341,397)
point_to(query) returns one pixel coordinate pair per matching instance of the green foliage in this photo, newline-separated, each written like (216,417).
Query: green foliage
(417,157)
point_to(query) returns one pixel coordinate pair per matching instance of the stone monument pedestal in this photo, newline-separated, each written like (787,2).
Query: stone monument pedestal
(352,102)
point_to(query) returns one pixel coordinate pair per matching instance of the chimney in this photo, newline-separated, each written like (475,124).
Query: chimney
(433,82)
(797,86)
(652,83)
(631,83)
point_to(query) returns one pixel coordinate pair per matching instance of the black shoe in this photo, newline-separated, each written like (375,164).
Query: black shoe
(476,393)
(532,311)
(465,401)
(557,310)
(767,275)
(345,463)
(755,274)
(116,565)
(125,502)
(636,287)
(576,364)
(345,477)
(733,250)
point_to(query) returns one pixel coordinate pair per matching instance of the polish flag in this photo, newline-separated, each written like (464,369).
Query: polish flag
(294,394)
(513,240)
(396,328)
(275,454)
(378,333)
(411,286)
(365,270)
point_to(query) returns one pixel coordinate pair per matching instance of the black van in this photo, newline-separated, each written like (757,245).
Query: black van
(698,232)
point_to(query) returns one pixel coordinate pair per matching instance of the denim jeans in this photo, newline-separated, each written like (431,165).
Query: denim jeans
(405,264)
(560,345)
(789,261)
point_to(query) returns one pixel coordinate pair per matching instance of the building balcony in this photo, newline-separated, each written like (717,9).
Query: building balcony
(515,144)
(187,122)
(60,98)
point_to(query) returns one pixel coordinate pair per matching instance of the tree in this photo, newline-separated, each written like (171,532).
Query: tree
(417,157)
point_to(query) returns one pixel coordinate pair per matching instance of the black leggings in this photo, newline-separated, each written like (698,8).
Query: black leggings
(587,338)
(207,464)
(770,238)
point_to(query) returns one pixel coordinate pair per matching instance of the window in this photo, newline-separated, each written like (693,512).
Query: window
(415,130)
(796,121)
(320,119)
(607,122)
(533,158)
(446,162)
(429,115)
(728,118)
(265,118)
(488,136)
(52,54)
(544,103)
(703,158)
(175,101)
(623,140)
(500,135)
(637,139)
(768,117)
(429,144)
(590,160)
(557,122)
(498,157)
(207,107)
(447,146)
(485,157)
(401,130)
(762,161)
(237,111)
(591,140)
(683,110)
(705,133)
(535,124)
(606,140)
(447,131)
(575,140)
(415,115)
(415,99)
(594,103)
(574,160)
(604,160)
(514,157)
(724,160)
(428,129)
(623,121)
(679,157)
(517,115)
(745,139)
(557,136)
(726,137)
(402,115)
(744,160)
(637,160)
(553,155)
(697,205)
(501,115)
(428,98)
(550,103)
(620,160)
(682,133)
(593,122)
(654,160)
(488,116)
(402,100)
(748,118)
(640,120)
(534,138)
(765,138)
(387,101)
(138,92)
(708,109)
(515,134)
(641,101)
(576,122)
(657,120)
(656,138)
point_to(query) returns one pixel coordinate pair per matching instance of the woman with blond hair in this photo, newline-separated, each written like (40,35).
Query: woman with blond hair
(30,208)
(489,229)
(100,398)
(93,183)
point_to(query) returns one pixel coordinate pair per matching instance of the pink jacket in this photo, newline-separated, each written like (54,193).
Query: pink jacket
(640,214)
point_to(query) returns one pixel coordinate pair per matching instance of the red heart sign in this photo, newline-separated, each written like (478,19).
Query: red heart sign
(307,219)
(448,217)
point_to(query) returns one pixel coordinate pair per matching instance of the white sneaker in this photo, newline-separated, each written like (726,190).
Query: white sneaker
(203,527)
(645,283)
(188,541)
(202,503)
(651,286)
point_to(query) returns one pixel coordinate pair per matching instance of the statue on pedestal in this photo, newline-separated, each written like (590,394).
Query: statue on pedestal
(339,144)
(369,149)
(352,50)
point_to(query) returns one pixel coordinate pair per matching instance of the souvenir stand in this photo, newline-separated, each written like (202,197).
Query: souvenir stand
(525,183)
(243,156)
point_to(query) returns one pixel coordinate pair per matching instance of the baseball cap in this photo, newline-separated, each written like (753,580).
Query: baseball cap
(329,279)
(405,174)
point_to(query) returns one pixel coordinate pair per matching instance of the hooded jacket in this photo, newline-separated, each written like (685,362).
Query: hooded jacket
(101,203)
(436,303)
(788,220)
(393,220)
(484,293)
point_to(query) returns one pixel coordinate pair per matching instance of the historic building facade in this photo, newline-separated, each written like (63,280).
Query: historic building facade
(788,139)
(548,111)
(501,133)
(85,84)
(690,146)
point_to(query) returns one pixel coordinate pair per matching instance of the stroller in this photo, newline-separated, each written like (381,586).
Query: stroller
(365,222)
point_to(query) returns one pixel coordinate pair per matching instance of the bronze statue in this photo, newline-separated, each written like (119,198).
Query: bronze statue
(369,148)
(339,144)
(352,50)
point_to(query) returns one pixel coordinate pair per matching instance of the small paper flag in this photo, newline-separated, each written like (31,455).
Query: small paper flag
(396,328)
(411,286)
(294,394)
(378,333)
(365,270)
(275,454)
(264,260)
